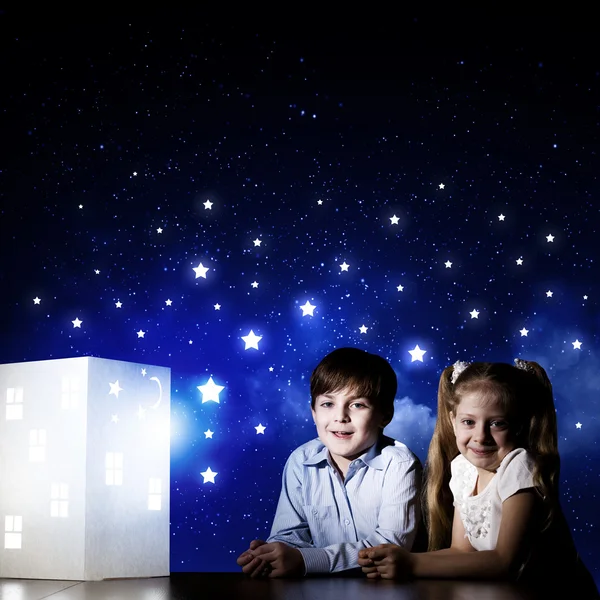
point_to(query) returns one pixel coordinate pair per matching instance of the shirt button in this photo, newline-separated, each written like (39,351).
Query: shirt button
(315,511)
(347,522)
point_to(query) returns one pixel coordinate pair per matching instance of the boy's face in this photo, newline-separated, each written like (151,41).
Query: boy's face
(347,425)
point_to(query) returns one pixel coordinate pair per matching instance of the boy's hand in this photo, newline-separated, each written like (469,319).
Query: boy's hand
(252,566)
(387,561)
(284,560)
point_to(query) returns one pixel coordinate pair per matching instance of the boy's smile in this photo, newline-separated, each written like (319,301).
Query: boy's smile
(347,425)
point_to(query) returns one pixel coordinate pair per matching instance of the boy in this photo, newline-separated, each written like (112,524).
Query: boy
(353,487)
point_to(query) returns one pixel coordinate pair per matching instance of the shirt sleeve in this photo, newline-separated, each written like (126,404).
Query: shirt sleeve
(290,525)
(399,516)
(518,475)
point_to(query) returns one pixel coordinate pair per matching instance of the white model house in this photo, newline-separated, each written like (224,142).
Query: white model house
(84,469)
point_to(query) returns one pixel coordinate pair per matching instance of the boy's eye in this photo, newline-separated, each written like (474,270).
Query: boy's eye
(358,405)
(326,404)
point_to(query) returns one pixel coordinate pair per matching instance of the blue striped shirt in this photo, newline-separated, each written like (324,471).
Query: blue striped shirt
(330,519)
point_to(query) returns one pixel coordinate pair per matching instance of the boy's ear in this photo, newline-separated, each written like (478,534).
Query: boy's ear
(386,419)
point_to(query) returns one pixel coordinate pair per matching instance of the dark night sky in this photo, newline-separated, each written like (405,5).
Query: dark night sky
(427,181)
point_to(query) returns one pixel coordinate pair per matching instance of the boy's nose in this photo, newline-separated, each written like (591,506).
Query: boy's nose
(341,416)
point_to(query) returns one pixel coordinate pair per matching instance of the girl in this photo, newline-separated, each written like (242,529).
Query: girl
(491,493)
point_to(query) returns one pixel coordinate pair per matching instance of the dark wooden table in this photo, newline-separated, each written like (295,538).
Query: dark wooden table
(226,586)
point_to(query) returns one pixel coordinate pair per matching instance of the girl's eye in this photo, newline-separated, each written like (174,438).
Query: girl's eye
(467,422)
(499,424)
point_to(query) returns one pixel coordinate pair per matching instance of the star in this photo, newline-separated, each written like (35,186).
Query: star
(144,372)
(394,220)
(141,333)
(115,388)
(251,340)
(159,230)
(549,294)
(254,284)
(501,217)
(260,429)
(208,205)
(37,300)
(474,314)
(217,307)
(97,271)
(190,342)
(363,329)
(442,186)
(417,354)
(257,242)
(135,173)
(271,369)
(576,345)
(210,391)
(141,413)
(448,264)
(344,266)
(578,425)
(208,434)
(81,206)
(77,323)
(168,302)
(308,309)
(585,297)
(550,238)
(209,476)
(114,419)
(118,304)
(200,271)
(524,332)
(519,261)
(400,288)
(319,202)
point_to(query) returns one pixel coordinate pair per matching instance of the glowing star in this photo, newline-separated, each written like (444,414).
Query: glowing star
(141,333)
(208,434)
(208,205)
(200,271)
(114,419)
(143,372)
(549,294)
(77,323)
(97,271)
(271,369)
(168,302)
(448,264)
(519,261)
(416,354)
(585,297)
(260,429)
(344,266)
(442,186)
(254,284)
(308,309)
(81,206)
(501,217)
(550,238)
(363,329)
(37,300)
(141,413)
(257,242)
(135,173)
(118,304)
(394,220)
(159,230)
(576,345)
(524,332)
(210,391)
(251,340)
(400,288)
(474,314)
(319,202)
(578,425)
(115,388)
(209,476)
(217,307)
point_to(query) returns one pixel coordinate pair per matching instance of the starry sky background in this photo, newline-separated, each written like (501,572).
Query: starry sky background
(402,176)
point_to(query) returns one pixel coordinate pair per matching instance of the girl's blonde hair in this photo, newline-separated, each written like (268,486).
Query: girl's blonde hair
(526,395)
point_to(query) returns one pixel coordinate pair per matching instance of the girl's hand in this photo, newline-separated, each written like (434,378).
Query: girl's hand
(387,561)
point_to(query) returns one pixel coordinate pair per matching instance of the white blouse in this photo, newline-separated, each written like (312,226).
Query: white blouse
(481,514)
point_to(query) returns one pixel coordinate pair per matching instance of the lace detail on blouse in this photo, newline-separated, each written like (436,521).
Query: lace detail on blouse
(476,518)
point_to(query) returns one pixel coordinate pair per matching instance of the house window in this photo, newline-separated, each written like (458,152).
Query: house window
(154,494)
(69,397)
(13,527)
(114,468)
(37,445)
(14,404)
(59,500)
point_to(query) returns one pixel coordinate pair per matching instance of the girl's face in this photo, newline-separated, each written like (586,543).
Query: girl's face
(483,434)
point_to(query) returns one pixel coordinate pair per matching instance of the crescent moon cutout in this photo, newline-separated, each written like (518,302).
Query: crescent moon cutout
(155,405)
